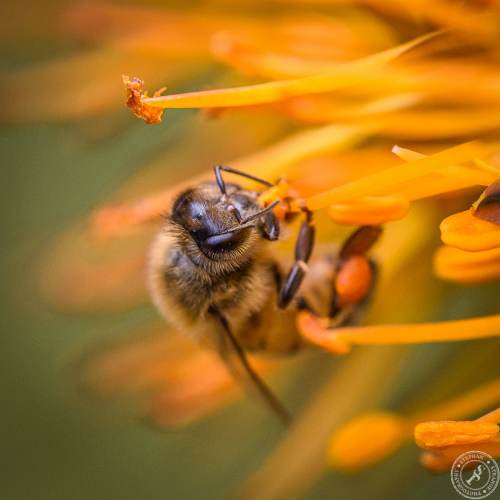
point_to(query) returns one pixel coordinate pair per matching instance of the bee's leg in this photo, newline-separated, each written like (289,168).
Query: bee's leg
(355,272)
(360,241)
(303,250)
(353,281)
(236,359)
(270,227)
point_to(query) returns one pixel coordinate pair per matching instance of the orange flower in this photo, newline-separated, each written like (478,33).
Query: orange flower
(314,103)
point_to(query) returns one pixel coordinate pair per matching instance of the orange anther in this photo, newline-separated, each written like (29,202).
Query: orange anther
(135,101)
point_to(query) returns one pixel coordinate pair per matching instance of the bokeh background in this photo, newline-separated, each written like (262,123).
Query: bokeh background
(61,159)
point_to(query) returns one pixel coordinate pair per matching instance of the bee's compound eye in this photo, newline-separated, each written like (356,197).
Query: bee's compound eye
(188,212)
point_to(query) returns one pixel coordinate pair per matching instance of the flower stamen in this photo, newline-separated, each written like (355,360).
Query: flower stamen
(387,181)
(317,331)
(279,90)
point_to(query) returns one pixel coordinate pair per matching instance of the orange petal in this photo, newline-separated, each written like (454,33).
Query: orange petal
(366,440)
(118,219)
(453,177)
(177,32)
(371,210)
(200,385)
(76,273)
(388,180)
(421,333)
(301,44)
(205,388)
(463,230)
(441,460)
(341,76)
(454,264)
(448,433)
(143,363)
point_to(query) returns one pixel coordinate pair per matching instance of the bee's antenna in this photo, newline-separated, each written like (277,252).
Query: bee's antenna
(219,180)
(222,185)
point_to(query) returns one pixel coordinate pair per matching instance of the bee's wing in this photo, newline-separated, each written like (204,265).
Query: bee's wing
(237,362)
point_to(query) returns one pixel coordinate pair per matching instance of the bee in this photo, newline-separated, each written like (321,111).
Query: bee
(214,274)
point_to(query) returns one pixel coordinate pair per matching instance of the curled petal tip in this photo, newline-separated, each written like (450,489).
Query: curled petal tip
(369,210)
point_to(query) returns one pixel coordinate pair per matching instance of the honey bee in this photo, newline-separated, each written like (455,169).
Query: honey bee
(213,273)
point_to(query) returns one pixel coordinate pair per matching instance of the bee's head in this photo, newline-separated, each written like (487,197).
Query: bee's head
(213,221)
